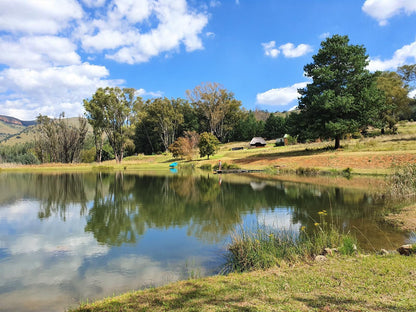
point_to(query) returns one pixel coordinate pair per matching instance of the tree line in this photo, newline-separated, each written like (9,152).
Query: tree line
(343,98)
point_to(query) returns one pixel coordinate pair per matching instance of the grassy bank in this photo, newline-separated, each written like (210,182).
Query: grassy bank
(366,283)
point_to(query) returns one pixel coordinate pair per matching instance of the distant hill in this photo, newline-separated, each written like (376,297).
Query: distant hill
(15,121)
(15,131)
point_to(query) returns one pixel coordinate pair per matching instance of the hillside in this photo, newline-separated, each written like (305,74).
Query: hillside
(15,131)
(15,121)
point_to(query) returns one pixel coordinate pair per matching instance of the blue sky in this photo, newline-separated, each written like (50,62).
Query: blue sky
(54,54)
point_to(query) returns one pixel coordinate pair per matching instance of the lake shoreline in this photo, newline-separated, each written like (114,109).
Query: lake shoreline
(405,219)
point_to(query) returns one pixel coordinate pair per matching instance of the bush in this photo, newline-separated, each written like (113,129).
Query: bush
(307,171)
(207,167)
(88,156)
(225,166)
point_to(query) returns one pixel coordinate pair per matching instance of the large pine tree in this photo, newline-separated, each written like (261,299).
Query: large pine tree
(343,97)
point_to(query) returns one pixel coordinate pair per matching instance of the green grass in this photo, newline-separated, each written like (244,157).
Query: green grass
(362,283)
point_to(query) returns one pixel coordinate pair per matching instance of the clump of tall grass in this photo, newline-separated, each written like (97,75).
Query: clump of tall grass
(206,167)
(225,166)
(307,171)
(402,183)
(265,247)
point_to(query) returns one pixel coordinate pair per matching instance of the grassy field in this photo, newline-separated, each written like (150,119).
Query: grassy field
(372,155)
(363,283)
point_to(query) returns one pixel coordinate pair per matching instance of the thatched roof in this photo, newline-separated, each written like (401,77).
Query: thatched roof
(257,141)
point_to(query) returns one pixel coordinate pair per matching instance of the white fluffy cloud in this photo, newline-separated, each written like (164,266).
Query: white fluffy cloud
(280,96)
(402,56)
(289,50)
(51,90)
(382,10)
(270,49)
(38,52)
(38,16)
(142,92)
(123,41)
(42,41)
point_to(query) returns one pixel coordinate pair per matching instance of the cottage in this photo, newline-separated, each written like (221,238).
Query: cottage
(257,142)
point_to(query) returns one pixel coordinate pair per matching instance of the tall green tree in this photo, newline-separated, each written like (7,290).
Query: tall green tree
(166,115)
(59,141)
(275,127)
(217,106)
(95,117)
(110,109)
(408,74)
(208,144)
(343,97)
(396,99)
(247,127)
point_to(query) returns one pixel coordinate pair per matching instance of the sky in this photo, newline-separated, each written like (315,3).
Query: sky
(55,53)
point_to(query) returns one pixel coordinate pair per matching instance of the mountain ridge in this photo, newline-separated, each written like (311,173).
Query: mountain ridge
(16,121)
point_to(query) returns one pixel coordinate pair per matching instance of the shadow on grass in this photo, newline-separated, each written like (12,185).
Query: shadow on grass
(305,152)
(332,303)
(191,299)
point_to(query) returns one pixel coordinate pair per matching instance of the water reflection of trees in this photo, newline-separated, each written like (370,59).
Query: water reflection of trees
(119,207)
(58,192)
(55,192)
(208,210)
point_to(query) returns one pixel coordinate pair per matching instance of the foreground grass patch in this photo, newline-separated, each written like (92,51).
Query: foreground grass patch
(264,247)
(368,283)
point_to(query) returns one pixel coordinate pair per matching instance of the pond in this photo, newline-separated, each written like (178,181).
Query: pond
(66,238)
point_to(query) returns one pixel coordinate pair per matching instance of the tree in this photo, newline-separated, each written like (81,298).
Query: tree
(247,127)
(218,106)
(58,141)
(275,127)
(95,117)
(396,99)
(408,74)
(166,117)
(185,146)
(110,109)
(343,97)
(208,144)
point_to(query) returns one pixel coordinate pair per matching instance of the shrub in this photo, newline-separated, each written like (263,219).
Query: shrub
(88,156)
(307,171)
(225,166)
(182,147)
(207,167)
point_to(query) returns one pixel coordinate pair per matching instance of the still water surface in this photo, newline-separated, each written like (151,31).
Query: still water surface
(66,238)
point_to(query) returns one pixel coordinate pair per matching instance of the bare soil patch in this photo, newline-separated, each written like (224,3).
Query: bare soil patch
(405,219)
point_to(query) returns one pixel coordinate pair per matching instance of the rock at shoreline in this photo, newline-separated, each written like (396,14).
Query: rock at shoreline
(320,258)
(407,250)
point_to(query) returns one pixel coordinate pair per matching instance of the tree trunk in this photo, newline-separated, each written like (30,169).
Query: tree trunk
(337,142)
